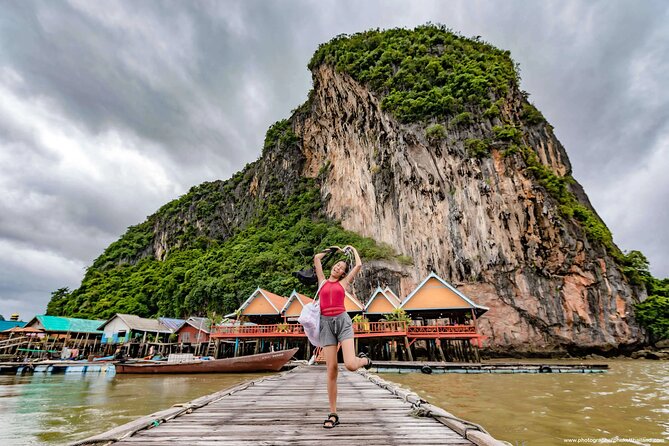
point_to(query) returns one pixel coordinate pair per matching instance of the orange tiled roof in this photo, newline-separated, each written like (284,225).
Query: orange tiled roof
(355,300)
(275,299)
(391,295)
(304,299)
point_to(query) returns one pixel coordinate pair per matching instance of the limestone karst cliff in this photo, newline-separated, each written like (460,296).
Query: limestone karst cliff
(485,224)
(476,188)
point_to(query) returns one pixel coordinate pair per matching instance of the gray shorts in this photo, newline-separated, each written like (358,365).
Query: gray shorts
(335,329)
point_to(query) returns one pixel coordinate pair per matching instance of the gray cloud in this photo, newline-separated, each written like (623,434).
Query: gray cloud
(109,110)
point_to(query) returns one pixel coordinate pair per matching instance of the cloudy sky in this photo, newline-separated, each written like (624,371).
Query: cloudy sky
(110,109)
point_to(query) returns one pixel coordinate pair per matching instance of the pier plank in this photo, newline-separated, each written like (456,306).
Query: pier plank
(289,409)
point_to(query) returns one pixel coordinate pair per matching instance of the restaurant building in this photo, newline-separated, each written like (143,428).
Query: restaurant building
(434,322)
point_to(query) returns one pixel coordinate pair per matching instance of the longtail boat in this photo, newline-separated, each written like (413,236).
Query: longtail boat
(262,362)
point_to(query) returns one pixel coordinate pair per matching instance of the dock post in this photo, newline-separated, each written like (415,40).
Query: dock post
(407,346)
(439,350)
(456,350)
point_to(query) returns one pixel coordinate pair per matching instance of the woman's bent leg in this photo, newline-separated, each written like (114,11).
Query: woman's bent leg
(351,361)
(330,353)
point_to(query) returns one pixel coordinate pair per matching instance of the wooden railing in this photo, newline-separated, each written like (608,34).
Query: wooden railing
(365,329)
(14,342)
(380,327)
(432,330)
(258,330)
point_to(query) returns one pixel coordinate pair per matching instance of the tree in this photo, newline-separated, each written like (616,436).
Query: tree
(59,298)
(398,315)
(635,266)
(653,313)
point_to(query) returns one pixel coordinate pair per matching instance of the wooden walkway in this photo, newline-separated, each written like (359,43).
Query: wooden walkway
(289,408)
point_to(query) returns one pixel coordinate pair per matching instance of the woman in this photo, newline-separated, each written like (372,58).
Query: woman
(336,325)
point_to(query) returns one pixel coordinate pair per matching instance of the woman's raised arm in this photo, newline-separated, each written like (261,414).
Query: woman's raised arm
(355,270)
(317,264)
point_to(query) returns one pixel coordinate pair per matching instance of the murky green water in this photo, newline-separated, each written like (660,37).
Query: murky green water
(58,409)
(630,401)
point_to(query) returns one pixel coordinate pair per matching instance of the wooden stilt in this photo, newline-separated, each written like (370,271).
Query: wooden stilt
(53,343)
(472,351)
(438,353)
(408,348)
(442,357)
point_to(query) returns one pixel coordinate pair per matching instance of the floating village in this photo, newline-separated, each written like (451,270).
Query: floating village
(432,329)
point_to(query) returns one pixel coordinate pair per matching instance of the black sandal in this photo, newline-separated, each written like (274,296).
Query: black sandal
(369,360)
(332,423)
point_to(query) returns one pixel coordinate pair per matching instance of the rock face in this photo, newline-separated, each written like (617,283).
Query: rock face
(484,225)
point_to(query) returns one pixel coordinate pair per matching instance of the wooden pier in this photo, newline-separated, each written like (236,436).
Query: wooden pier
(289,408)
(429,367)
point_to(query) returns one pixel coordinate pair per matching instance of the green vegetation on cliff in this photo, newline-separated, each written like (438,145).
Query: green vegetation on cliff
(427,72)
(217,277)
(558,187)
(652,313)
(280,133)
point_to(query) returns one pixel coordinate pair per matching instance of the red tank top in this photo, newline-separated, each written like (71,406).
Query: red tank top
(332,297)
